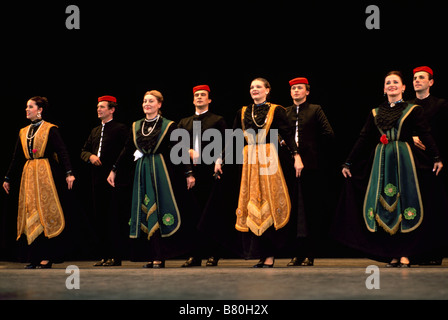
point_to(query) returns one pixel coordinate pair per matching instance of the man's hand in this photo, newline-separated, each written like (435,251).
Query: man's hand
(95,160)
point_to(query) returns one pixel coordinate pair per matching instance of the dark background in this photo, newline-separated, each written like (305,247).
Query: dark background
(126,48)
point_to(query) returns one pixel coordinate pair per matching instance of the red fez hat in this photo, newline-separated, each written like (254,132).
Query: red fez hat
(107,98)
(201,87)
(298,80)
(424,68)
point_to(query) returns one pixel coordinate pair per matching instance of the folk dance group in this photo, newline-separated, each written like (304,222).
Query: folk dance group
(392,205)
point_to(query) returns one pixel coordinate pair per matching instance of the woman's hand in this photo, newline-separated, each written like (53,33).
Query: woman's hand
(6,186)
(346,173)
(111,178)
(437,167)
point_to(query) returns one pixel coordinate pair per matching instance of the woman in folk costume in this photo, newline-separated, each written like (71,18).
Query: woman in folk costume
(158,195)
(264,205)
(401,198)
(40,215)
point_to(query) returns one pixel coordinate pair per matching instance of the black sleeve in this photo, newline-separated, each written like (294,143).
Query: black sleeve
(86,150)
(423,130)
(126,152)
(55,139)
(17,161)
(325,128)
(366,138)
(284,129)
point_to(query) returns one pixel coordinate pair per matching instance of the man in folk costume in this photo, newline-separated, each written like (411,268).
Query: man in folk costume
(196,125)
(314,137)
(436,113)
(101,149)
(39,211)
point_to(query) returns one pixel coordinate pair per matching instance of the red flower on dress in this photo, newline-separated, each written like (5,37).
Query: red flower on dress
(384,139)
(34,150)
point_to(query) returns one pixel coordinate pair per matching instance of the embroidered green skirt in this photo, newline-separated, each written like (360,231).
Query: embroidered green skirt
(393,200)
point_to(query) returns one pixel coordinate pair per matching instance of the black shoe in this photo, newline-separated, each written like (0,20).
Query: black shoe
(393,264)
(31,266)
(261,264)
(100,263)
(295,262)
(212,262)
(192,262)
(308,262)
(112,263)
(149,265)
(404,265)
(159,265)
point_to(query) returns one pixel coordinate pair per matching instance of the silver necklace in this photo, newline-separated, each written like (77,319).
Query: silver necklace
(151,129)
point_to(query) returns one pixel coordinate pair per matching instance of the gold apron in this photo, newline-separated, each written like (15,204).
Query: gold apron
(264,199)
(39,206)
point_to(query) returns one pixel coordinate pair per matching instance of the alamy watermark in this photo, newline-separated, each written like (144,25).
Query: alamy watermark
(373,280)
(230,147)
(73,281)
(72,22)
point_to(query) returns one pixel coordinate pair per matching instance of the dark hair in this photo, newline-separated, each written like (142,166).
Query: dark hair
(267,85)
(41,102)
(266,82)
(111,104)
(397,73)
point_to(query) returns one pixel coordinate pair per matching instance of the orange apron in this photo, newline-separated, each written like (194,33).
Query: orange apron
(39,206)
(264,199)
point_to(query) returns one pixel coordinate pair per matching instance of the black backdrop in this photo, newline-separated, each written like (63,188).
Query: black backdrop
(126,48)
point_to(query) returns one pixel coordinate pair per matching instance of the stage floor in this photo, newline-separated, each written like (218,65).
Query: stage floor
(328,279)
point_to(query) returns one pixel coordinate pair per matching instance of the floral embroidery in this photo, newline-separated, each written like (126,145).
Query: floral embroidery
(168,219)
(370,214)
(34,150)
(146,200)
(390,190)
(384,139)
(410,213)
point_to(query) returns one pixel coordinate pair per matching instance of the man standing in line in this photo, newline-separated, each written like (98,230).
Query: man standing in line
(203,172)
(309,198)
(436,112)
(100,151)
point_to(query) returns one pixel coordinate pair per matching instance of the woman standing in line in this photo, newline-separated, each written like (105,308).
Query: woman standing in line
(264,205)
(156,191)
(401,198)
(40,214)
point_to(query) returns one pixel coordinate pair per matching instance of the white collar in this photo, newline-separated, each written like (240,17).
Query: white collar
(201,112)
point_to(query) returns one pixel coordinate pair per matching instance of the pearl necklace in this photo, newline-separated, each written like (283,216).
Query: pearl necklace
(253,117)
(34,125)
(151,129)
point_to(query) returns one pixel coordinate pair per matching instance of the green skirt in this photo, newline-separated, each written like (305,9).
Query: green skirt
(393,200)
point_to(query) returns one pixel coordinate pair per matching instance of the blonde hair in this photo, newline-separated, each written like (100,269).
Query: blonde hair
(156,94)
